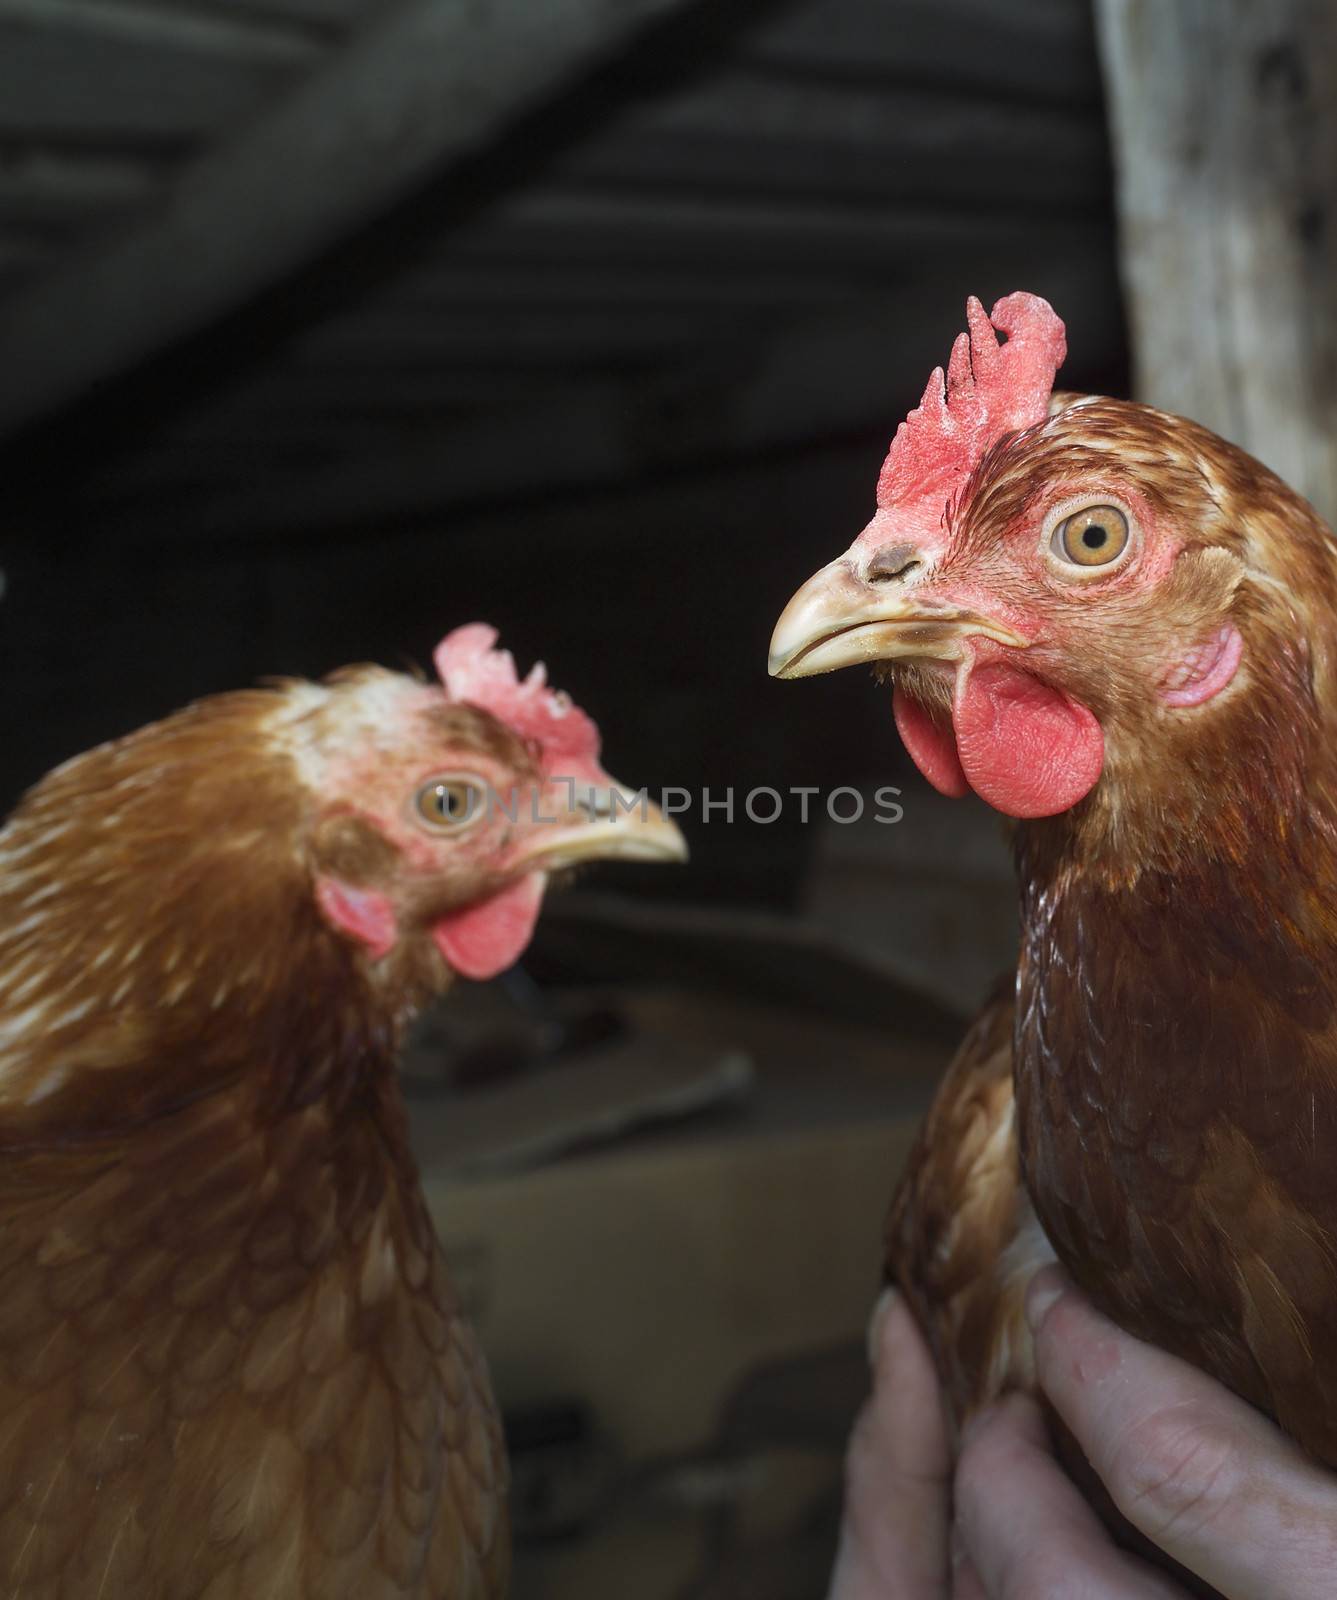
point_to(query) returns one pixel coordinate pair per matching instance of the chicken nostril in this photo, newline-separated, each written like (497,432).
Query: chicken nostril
(595,803)
(892,561)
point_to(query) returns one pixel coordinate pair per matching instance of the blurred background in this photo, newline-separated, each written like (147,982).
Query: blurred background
(326,325)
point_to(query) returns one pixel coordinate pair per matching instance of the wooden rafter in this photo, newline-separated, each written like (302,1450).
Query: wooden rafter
(251,38)
(428,83)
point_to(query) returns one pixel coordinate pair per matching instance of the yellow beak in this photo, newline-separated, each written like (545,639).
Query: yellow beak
(838,619)
(604,824)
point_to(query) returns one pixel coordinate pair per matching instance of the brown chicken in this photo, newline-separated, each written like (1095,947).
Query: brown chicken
(231,1363)
(1122,632)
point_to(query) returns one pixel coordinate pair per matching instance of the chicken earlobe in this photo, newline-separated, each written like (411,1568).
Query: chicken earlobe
(362,914)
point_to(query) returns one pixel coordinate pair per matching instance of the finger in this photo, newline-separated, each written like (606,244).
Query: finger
(966,1583)
(1200,1472)
(1025,1528)
(893,1545)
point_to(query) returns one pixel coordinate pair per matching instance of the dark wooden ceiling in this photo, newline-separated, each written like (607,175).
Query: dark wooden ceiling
(581,308)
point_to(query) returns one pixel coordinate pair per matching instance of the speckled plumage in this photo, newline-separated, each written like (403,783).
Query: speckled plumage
(1172,1031)
(231,1363)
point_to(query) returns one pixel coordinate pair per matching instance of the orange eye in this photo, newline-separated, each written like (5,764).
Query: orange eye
(449,803)
(1092,537)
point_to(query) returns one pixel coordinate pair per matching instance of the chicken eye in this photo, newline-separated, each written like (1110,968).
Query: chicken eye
(445,804)
(1092,537)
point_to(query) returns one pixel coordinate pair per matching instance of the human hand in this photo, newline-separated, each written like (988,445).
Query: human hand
(1202,1474)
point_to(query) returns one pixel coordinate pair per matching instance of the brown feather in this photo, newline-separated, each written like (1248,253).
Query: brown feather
(231,1362)
(1174,1039)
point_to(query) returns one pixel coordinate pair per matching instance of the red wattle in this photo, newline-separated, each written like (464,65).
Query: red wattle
(485,939)
(931,744)
(1026,748)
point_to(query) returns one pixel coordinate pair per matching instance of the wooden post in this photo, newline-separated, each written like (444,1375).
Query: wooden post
(1224,120)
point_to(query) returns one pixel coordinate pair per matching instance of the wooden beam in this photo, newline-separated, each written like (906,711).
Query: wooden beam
(1226,156)
(754,133)
(429,82)
(323,13)
(101,88)
(58,189)
(560,224)
(912,119)
(443,283)
(382,336)
(252,38)
(1025,51)
(277,394)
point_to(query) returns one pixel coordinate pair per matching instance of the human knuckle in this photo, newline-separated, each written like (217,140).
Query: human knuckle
(989,1450)
(1021,1568)
(1175,1472)
(1044,1572)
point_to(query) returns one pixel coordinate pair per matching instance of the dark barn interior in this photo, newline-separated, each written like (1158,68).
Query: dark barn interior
(294,377)
(327,325)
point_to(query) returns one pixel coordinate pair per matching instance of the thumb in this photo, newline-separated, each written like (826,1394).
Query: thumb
(893,1541)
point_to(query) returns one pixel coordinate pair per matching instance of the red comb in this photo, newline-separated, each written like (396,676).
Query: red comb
(989,390)
(476,673)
